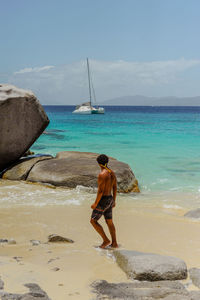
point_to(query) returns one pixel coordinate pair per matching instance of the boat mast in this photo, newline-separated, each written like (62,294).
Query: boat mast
(89,82)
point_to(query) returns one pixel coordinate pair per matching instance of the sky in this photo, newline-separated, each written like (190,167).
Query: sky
(135,47)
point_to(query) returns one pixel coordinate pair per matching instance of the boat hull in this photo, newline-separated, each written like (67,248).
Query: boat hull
(88,110)
(83,110)
(99,110)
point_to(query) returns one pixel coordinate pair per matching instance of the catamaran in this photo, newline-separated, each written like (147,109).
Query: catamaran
(87,108)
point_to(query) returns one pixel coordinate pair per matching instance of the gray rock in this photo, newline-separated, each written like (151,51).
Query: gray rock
(9,241)
(70,169)
(55,269)
(35,293)
(8,296)
(52,259)
(12,241)
(54,238)
(3,240)
(20,170)
(1,284)
(195,295)
(150,267)
(195,213)
(177,297)
(35,242)
(195,276)
(140,291)
(18,258)
(22,120)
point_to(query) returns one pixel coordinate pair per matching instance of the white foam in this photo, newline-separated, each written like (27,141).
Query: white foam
(80,189)
(160,181)
(35,195)
(171,206)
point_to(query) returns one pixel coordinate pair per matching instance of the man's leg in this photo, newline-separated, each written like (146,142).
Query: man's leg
(101,232)
(112,230)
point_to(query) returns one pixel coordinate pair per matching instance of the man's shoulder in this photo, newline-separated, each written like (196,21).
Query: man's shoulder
(104,174)
(101,175)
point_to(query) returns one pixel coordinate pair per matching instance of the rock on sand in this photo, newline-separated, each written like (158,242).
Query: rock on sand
(150,267)
(22,120)
(70,168)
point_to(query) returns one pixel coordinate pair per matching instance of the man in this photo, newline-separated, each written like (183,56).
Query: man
(105,201)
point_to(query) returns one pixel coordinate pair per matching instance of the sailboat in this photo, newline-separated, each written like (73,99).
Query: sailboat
(87,108)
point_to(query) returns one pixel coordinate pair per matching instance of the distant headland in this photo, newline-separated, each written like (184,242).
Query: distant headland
(139,100)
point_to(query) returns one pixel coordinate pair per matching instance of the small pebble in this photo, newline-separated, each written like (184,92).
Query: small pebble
(3,240)
(52,259)
(35,242)
(17,258)
(55,269)
(12,242)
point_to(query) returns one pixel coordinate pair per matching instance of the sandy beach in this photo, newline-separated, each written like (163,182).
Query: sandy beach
(79,79)
(66,271)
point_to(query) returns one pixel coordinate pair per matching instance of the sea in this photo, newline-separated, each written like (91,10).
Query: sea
(160,144)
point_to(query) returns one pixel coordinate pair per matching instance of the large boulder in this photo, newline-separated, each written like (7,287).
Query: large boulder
(21,169)
(70,169)
(22,120)
(150,267)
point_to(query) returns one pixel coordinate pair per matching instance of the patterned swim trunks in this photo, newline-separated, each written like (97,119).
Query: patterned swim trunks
(104,207)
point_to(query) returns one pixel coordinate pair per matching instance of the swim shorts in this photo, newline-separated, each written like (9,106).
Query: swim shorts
(104,207)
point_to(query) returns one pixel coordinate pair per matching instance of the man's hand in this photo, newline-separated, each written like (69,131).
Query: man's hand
(93,206)
(114,204)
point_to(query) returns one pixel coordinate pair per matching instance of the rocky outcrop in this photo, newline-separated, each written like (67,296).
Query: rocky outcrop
(150,267)
(195,214)
(22,120)
(21,169)
(165,290)
(70,169)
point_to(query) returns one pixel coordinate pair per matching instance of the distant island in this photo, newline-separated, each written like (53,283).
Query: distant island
(139,100)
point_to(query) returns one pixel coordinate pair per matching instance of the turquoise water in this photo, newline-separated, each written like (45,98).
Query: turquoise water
(161,144)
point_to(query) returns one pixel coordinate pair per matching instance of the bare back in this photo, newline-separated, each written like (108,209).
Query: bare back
(108,180)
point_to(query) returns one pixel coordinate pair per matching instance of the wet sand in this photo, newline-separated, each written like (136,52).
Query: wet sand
(80,263)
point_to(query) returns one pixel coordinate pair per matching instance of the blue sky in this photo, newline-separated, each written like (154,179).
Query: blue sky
(148,47)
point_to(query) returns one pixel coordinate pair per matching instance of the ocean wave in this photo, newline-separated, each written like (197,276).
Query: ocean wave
(20,193)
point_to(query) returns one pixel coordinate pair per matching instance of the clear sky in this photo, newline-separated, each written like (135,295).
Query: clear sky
(147,47)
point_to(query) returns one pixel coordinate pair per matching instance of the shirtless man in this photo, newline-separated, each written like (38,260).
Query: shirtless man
(105,201)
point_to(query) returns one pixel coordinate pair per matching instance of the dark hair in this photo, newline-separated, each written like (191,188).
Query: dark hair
(102,159)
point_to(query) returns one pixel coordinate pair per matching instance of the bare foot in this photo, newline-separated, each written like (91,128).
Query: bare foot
(114,245)
(104,244)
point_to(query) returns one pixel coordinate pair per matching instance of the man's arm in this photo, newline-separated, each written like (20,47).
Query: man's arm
(101,186)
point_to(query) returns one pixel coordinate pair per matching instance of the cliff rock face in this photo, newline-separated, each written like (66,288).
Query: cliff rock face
(22,120)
